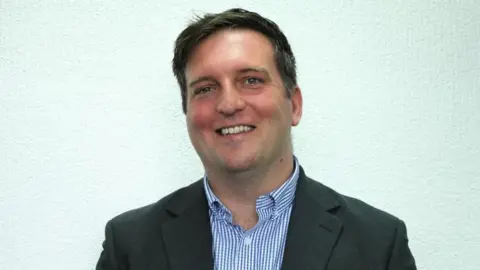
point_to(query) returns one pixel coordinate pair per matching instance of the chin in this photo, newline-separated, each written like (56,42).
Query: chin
(239,164)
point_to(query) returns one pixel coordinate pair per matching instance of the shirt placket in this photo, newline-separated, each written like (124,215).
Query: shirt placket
(243,248)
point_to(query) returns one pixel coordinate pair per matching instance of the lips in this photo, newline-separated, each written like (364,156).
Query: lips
(232,130)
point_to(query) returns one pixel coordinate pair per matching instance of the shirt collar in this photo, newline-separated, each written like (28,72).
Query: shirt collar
(279,199)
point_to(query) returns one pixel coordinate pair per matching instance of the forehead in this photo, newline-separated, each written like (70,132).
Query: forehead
(229,50)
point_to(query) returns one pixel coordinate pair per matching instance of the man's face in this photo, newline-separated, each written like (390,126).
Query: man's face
(238,114)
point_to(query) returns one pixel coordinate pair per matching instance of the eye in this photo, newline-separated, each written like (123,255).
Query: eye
(253,81)
(202,90)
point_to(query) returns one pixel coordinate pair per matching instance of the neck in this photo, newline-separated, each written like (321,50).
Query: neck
(239,191)
(245,187)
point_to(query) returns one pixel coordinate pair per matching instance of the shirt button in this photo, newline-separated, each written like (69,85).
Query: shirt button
(248,241)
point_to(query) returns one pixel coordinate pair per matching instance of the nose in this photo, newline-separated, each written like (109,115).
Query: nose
(230,101)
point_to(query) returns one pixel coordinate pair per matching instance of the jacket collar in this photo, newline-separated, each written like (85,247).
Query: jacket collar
(312,233)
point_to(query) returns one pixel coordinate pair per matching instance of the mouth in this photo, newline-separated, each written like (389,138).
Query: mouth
(233,130)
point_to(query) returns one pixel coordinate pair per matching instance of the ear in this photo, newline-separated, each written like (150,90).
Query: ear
(297,105)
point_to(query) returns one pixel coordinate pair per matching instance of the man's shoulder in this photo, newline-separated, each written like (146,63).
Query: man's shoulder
(157,211)
(356,210)
(360,208)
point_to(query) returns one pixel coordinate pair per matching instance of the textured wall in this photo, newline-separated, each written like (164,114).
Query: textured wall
(91,123)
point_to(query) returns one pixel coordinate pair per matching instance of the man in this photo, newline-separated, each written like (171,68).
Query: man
(255,208)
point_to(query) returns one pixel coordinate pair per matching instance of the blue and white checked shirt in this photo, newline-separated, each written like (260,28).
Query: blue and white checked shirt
(262,247)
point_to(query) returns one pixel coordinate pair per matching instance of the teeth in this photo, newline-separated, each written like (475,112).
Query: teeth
(235,130)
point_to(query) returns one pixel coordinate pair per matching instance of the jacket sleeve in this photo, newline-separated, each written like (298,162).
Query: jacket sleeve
(109,256)
(401,257)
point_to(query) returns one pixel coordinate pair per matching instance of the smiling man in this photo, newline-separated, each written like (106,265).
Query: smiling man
(255,208)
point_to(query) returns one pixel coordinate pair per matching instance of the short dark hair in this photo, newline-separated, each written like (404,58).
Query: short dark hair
(202,27)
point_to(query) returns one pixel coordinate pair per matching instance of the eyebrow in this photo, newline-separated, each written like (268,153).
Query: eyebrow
(264,71)
(243,70)
(201,79)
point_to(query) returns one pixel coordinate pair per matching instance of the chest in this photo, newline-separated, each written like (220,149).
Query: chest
(260,247)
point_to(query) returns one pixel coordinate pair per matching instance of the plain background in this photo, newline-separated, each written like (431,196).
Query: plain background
(91,122)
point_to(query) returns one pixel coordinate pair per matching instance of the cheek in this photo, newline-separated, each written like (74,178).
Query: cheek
(199,118)
(271,108)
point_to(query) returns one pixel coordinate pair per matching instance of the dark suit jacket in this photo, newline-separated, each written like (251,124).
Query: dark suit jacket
(327,230)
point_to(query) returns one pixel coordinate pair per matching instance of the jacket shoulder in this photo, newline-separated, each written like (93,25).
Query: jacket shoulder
(358,214)
(130,233)
(367,212)
(155,213)
(372,228)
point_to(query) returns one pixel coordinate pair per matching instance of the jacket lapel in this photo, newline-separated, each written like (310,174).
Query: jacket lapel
(187,236)
(313,229)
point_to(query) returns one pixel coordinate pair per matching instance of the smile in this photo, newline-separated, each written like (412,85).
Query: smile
(234,130)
